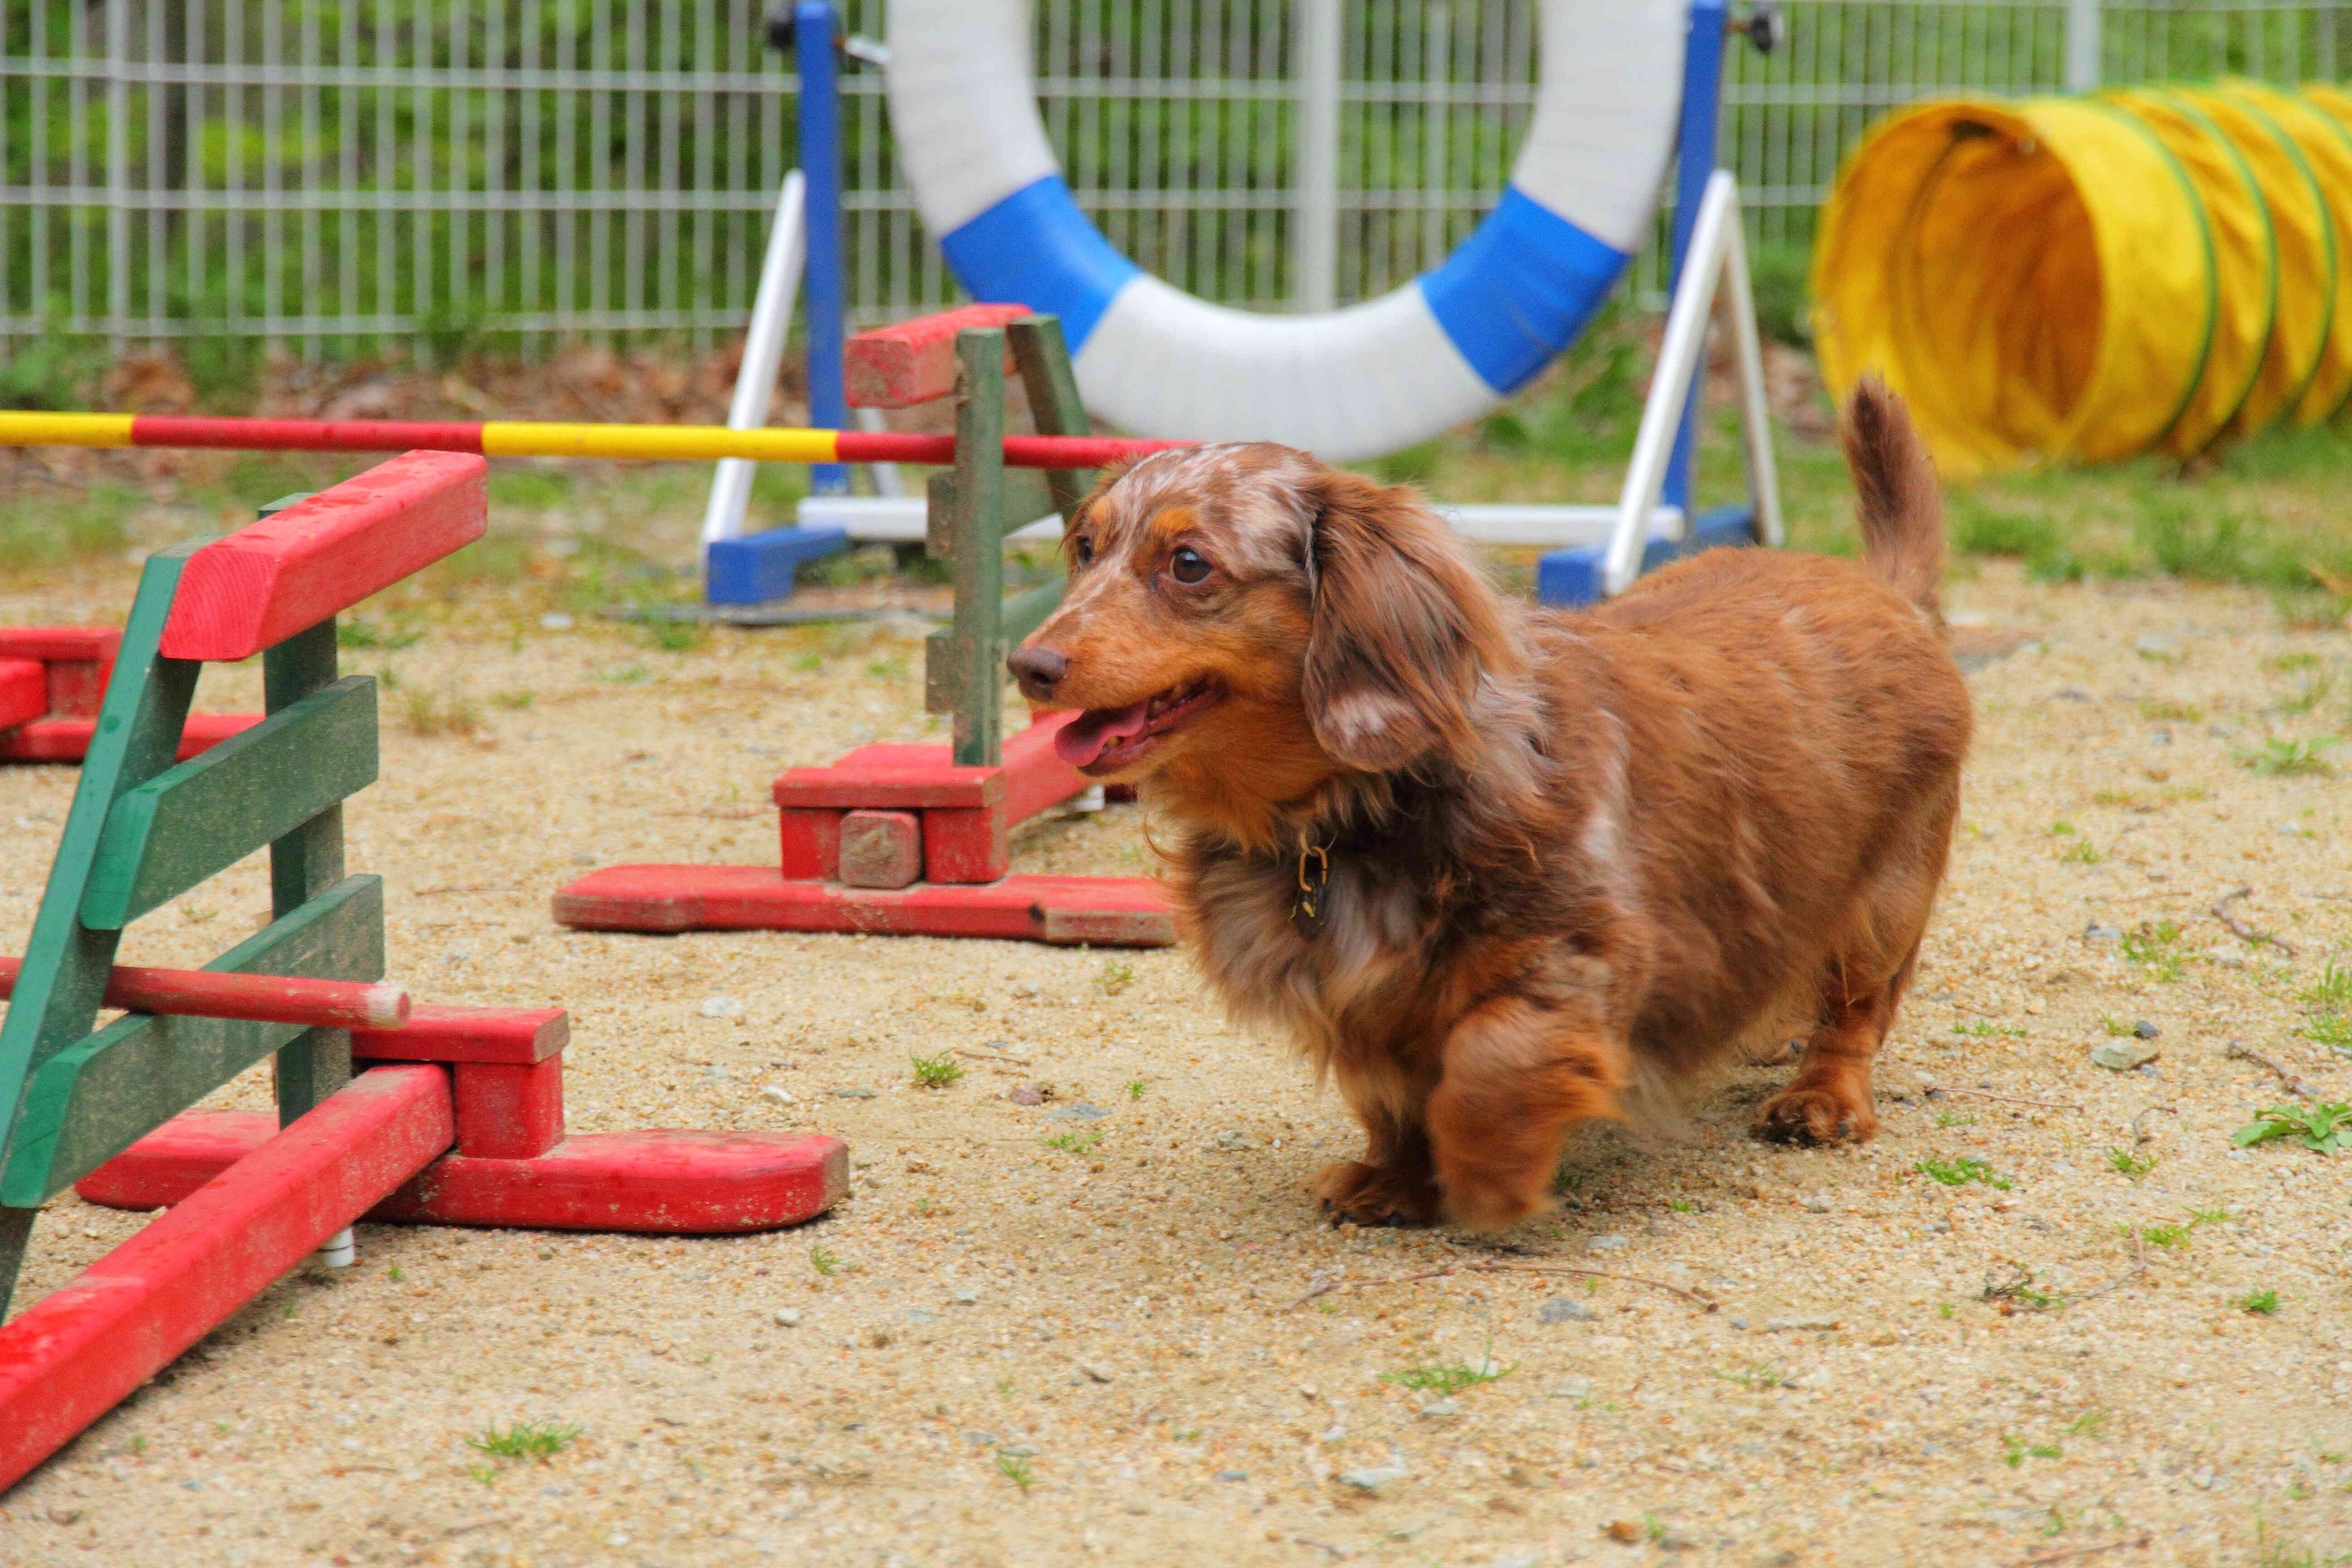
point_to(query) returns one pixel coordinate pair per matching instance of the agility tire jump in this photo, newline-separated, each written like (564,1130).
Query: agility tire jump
(1349,384)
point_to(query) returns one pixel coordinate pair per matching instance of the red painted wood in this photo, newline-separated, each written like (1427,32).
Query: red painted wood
(266,998)
(811,844)
(966,845)
(670,1182)
(881,849)
(1020,451)
(67,740)
(1119,911)
(890,778)
(914,361)
(77,685)
(1034,778)
(307,435)
(270,579)
(510,1112)
(96,643)
(71,1357)
(517,1037)
(24,691)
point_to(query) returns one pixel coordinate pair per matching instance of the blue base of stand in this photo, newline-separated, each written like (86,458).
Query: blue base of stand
(1572,577)
(758,568)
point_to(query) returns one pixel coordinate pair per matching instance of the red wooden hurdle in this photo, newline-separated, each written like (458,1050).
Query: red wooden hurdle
(51,678)
(454,1115)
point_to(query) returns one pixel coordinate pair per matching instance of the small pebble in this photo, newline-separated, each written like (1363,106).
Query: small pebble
(1570,1388)
(1818,1204)
(1372,1478)
(1605,1243)
(788,1317)
(777,1094)
(853,1093)
(1096,1371)
(1560,1310)
(720,1007)
(2122,1056)
(2146,1030)
(966,1298)
(1233,1475)
(1025,1094)
(1081,1111)
(2094,931)
(555,621)
(1437,1408)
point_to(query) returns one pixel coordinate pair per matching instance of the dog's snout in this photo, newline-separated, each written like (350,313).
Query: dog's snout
(1038,670)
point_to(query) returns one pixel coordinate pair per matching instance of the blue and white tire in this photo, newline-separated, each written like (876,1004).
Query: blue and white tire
(1354,383)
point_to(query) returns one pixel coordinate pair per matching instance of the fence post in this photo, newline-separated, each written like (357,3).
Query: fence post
(1317,40)
(2083,63)
(820,123)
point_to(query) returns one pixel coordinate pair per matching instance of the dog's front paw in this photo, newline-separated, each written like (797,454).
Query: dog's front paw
(1376,1194)
(1811,1114)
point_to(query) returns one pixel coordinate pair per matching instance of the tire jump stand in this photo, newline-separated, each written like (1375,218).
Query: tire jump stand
(911,840)
(442,1115)
(51,678)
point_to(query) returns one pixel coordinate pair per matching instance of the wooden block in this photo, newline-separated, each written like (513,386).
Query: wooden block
(69,1359)
(1034,778)
(93,1098)
(510,1112)
(24,691)
(67,740)
(965,846)
(666,1182)
(914,361)
(76,686)
(753,897)
(95,645)
(204,816)
(286,574)
(515,1035)
(881,849)
(262,998)
(812,844)
(891,778)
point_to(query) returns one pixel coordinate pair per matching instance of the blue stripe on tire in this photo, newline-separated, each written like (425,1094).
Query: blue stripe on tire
(1518,289)
(1037,248)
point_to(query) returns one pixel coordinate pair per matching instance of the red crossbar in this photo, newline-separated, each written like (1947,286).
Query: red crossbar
(283,575)
(307,435)
(71,1357)
(24,691)
(264,998)
(511,1037)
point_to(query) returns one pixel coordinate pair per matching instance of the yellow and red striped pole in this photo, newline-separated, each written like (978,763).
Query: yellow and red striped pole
(521,438)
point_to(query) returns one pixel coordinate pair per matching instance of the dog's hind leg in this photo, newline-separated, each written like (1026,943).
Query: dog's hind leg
(1829,1100)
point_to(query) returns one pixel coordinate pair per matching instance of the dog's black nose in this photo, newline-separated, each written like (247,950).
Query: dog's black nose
(1038,670)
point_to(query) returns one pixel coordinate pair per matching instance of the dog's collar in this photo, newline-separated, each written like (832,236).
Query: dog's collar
(1308,904)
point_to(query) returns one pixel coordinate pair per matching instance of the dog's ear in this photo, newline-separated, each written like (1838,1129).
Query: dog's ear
(1403,627)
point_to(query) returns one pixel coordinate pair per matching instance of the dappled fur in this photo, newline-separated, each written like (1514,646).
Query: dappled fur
(1565,850)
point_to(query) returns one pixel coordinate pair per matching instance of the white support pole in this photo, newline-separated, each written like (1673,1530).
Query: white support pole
(2083,64)
(1315,250)
(1678,363)
(763,352)
(1755,401)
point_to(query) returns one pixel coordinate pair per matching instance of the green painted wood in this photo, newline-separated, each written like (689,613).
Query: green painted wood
(96,1098)
(57,994)
(302,865)
(169,833)
(1052,385)
(976,639)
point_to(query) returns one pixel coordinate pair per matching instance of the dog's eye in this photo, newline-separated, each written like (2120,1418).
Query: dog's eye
(1083,550)
(1189,566)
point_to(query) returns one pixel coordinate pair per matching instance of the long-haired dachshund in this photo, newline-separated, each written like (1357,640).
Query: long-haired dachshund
(1490,864)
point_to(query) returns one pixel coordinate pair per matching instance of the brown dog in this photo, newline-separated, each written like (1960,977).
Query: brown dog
(1489,863)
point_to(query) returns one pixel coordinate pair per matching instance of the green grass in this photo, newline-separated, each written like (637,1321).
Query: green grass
(1072,1142)
(2279,757)
(2151,944)
(1016,1470)
(1984,1029)
(39,529)
(1955,1119)
(2015,1452)
(1135,1088)
(936,1072)
(539,1440)
(824,1262)
(1756,1375)
(2330,1029)
(2260,1303)
(1960,1172)
(2323,1125)
(1446,1377)
(2333,989)
(1117,975)
(2131,1164)
(2082,852)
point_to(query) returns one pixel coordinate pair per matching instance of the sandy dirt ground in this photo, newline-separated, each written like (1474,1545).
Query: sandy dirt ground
(1089,1330)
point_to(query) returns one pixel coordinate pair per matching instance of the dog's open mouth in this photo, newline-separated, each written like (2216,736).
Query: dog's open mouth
(1103,741)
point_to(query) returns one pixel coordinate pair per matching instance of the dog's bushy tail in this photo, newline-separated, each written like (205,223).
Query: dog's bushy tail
(1899,506)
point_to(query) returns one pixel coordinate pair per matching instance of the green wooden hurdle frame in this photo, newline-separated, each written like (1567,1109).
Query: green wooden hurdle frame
(971,510)
(143,832)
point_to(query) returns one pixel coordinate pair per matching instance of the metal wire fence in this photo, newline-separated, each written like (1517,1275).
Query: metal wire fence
(344,176)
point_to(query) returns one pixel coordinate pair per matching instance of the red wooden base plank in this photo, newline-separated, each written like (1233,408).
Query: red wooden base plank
(260,586)
(90,644)
(677,1182)
(908,362)
(67,740)
(1109,912)
(24,691)
(71,1357)
(517,1037)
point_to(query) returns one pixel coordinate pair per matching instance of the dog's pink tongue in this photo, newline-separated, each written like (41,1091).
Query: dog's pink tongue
(1082,740)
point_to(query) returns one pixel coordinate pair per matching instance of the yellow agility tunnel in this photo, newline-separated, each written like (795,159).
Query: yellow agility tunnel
(2156,268)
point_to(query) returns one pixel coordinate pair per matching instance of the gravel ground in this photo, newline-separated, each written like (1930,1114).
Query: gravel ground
(1089,1329)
